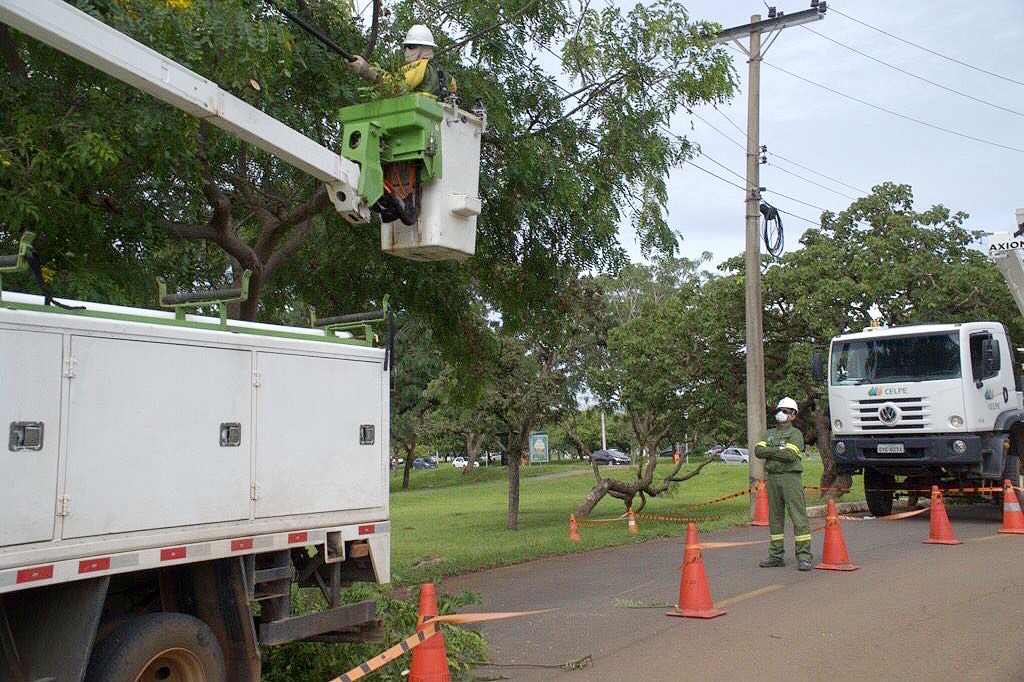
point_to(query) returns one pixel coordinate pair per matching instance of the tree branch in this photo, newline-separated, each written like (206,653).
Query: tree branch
(371,42)
(10,51)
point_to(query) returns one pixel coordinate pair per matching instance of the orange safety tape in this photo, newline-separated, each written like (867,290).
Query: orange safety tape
(902,515)
(676,519)
(585,523)
(431,626)
(741,493)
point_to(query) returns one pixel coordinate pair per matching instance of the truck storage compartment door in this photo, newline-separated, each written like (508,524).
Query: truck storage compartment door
(318,439)
(30,369)
(148,445)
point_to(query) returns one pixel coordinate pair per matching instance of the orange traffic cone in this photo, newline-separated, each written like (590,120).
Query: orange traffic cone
(574,533)
(430,659)
(694,593)
(631,522)
(939,530)
(761,505)
(1013,519)
(834,556)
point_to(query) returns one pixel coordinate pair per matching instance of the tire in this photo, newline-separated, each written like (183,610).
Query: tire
(878,492)
(159,646)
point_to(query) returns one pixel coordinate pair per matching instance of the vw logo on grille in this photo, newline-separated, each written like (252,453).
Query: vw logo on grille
(888,413)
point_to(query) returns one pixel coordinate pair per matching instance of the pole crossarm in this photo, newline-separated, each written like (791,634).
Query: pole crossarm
(89,40)
(768,25)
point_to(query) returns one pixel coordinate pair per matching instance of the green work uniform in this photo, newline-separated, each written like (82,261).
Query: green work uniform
(782,449)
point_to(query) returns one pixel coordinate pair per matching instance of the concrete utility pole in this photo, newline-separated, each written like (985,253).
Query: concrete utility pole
(775,22)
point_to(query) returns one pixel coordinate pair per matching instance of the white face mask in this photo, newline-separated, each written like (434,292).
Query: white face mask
(781,417)
(415,52)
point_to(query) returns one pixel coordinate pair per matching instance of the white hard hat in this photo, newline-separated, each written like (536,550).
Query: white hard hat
(419,34)
(787,403)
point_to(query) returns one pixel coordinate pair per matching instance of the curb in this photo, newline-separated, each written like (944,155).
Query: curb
(841,507)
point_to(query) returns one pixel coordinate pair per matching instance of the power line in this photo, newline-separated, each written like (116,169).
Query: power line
(792,162)
(799,201)
(922,47)
(816,223)
(743,187)
(839,182)
(719,131)
(715,175)
(895,113)
(914,75)
(818,184)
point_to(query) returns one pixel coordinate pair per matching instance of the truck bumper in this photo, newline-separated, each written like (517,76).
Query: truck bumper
(984,453)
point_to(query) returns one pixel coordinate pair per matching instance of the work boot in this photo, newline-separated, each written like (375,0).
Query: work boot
(803,566)
(772,563)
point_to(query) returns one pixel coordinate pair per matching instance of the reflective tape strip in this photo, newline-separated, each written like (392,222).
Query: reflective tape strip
(802,538)
(1011,506)
(794,448)
(762,444)
(775,538)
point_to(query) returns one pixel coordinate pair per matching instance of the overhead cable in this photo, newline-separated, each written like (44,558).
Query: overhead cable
(914,75)
(833,10)
(895,113)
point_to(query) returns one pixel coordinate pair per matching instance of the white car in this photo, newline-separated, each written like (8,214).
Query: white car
(734,455)
(462,463)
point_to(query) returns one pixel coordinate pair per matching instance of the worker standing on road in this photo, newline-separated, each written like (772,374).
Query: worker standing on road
(421,74)
(782,448)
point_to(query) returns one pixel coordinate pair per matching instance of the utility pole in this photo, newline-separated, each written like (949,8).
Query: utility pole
(771,28)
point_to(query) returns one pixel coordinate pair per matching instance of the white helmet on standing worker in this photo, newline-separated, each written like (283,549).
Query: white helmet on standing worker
(787,403)
(786,410)
(419,34)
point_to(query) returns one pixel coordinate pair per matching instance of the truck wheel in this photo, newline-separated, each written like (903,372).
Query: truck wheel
(878,492)
(159,646)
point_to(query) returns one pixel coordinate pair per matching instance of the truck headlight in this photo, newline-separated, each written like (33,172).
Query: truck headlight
(956,421)
(840,447)
(959,446)
(837,424)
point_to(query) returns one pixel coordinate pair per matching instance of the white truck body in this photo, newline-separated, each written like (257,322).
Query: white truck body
(136,463)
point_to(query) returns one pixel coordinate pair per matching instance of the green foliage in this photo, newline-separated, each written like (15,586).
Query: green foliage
(315,661)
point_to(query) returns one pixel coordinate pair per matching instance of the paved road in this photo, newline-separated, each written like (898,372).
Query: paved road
(912,611)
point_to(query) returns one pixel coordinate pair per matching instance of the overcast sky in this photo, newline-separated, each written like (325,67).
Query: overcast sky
(851,142)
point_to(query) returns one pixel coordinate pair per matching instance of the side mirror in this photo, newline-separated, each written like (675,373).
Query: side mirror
(818,366)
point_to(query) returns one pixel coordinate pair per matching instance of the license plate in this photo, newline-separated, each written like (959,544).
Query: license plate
(891,449)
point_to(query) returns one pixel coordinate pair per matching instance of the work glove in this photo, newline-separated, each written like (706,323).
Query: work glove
(363,68)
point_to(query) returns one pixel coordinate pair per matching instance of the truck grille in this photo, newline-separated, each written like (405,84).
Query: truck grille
(904,414)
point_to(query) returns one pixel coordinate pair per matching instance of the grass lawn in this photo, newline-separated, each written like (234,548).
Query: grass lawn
(447,523)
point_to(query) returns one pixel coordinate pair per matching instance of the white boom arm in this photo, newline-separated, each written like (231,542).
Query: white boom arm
(1006,249)
(89,40)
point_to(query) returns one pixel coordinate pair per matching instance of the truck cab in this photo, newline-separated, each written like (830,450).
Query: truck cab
(932,404)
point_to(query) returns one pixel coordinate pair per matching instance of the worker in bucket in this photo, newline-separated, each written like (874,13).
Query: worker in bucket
(782,450)
(421,74)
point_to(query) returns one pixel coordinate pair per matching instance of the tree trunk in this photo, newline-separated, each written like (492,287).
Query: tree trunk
(474,443)
(410,450)
(514,447)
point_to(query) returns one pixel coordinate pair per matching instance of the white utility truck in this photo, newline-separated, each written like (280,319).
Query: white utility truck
(934,404)
(169,477)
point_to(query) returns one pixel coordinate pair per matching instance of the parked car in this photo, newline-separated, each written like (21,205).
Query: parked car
(734,455)
(610,457)
(462,463)
(423,463)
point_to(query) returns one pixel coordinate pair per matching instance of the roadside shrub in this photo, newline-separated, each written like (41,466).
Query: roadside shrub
(318,662)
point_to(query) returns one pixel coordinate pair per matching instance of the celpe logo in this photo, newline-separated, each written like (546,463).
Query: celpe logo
(876,391)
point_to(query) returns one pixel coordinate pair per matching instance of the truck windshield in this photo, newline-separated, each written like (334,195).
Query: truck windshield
(903,358)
